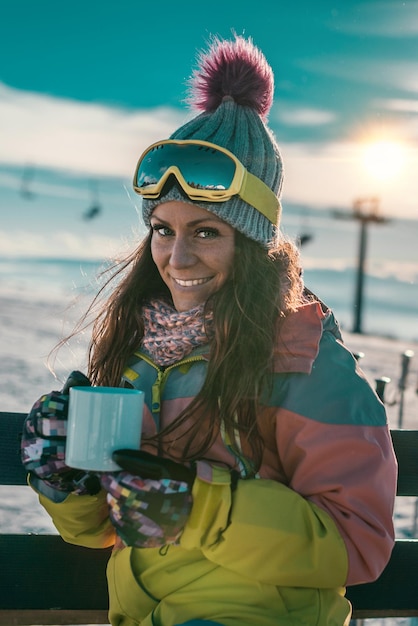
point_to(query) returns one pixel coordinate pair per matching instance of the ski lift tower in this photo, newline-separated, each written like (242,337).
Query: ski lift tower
(366,211)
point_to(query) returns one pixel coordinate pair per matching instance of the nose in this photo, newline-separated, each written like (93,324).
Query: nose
(182,254)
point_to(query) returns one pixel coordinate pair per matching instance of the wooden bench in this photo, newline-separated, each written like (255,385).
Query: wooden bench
(43,580)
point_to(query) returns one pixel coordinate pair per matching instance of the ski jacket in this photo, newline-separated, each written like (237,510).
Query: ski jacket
(280,547)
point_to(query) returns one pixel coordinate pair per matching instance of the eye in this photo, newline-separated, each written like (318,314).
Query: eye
(161,230)
(207,233)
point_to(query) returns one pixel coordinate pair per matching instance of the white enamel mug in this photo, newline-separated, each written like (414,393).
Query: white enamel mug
(100,421)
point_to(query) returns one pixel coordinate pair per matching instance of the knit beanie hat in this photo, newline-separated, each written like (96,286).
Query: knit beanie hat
(233,88)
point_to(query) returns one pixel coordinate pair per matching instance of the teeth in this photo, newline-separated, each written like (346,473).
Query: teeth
(191,283)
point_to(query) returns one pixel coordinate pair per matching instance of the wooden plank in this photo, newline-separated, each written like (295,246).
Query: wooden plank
(405,443)
(52,617)
(395,593)
(11,469)
(44,572)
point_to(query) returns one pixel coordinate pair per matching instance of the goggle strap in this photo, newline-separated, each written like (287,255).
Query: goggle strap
(256,193)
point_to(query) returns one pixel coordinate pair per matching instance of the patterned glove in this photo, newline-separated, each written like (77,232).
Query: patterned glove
(43,443)
(148,511)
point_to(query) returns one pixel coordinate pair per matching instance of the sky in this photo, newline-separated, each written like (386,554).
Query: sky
(86,86)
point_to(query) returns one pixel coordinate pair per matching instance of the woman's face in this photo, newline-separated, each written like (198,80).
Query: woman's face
(193,250)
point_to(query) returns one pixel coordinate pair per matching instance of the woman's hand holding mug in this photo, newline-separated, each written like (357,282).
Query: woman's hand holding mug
(43,444)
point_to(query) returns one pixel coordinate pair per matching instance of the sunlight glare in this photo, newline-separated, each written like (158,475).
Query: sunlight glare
(384,160)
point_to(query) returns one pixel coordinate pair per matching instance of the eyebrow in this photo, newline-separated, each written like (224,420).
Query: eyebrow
(210,218)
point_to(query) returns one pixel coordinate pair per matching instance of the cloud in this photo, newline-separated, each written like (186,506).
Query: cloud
(305,116)
(333,175)
(379,19)
(400,105)
(405,110)
(388,73)
(80,137)
(396,74)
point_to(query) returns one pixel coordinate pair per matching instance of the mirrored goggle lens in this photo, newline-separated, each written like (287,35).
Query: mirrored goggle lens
(202,167)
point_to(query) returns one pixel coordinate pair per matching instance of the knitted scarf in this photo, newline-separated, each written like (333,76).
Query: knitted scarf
(170,335)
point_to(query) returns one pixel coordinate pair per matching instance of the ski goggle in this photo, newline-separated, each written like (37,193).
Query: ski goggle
(205,172)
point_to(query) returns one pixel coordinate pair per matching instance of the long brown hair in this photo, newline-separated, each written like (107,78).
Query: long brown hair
(263,287)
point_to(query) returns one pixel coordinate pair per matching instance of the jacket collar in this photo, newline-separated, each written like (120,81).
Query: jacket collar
(299,334)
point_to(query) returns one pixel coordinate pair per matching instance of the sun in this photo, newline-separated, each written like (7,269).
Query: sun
(384,159)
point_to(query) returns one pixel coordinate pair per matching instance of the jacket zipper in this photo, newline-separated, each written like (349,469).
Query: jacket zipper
(162,375)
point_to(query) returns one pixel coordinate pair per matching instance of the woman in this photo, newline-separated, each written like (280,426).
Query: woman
(281,472)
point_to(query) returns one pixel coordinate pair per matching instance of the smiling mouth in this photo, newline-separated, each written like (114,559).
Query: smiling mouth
(192,283)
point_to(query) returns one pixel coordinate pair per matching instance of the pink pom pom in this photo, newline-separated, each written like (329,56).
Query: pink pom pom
(237,69)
